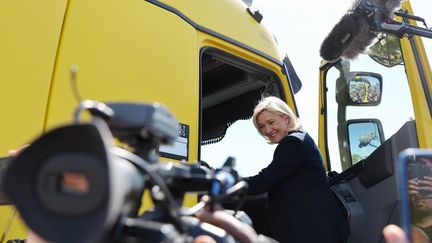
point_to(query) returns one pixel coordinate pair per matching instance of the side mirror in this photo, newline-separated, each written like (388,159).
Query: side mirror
(359,89)
(386,51)
(364,136)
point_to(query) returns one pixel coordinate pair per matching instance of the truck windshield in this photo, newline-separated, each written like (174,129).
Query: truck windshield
(394,110)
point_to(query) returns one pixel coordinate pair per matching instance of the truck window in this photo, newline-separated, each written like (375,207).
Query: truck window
(230,89)
(394,110)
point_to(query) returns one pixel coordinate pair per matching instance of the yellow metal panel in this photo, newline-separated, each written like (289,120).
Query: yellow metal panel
(14,227)
(322,129)
(29,33)
(421,110)
(128,51)
(7,213)
(29,36)
(229,18)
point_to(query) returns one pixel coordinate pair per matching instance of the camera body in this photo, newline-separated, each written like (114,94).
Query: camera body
(73,185)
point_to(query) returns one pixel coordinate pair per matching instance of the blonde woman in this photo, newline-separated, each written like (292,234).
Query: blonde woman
(301,206)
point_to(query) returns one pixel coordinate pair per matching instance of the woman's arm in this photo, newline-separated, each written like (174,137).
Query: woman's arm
(288,158)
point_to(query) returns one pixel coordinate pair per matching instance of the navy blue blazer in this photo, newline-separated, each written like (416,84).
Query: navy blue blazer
(301,206)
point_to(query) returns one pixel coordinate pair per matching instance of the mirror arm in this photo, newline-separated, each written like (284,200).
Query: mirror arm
(343,138)
(401,30)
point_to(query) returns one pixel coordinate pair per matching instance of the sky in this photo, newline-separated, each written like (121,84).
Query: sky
(300,26)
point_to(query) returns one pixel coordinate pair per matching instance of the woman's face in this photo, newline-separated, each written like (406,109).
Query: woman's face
(273,126)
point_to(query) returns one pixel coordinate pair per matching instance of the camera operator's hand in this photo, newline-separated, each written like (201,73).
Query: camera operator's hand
(426,184)
(394,234)
(413,187)
(240,231)
(204,239)
(34,238)
(15,152)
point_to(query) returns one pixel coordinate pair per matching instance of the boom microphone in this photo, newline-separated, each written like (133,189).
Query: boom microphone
(357,28)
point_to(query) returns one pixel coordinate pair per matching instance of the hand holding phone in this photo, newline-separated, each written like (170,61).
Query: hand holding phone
(415,185)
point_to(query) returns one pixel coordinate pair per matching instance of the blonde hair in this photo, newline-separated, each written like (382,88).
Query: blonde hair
(276,106)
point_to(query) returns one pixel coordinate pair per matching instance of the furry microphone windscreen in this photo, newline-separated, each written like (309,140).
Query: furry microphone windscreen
(353,34)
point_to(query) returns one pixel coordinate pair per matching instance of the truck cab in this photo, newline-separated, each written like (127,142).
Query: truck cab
(371,108)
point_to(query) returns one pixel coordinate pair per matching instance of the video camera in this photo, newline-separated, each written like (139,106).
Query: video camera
(73,185)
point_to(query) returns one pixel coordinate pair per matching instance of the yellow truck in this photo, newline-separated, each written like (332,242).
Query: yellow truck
(210,62)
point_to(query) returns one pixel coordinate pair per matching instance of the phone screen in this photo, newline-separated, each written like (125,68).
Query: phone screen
(415,183)
(4,161)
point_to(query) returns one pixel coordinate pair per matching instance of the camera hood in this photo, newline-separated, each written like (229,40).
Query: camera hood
(68,187)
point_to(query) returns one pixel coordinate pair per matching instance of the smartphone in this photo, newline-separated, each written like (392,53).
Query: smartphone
(4,162)
(415,190)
